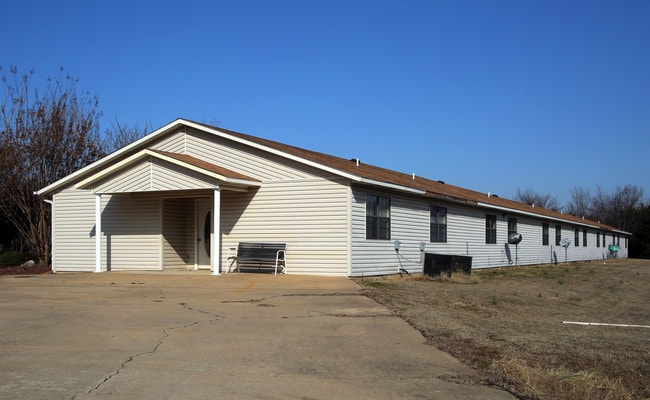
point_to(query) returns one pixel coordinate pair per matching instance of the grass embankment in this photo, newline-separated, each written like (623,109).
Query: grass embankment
(508,324)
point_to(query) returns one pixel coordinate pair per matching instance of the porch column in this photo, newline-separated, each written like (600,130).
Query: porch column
(98,232)
(215,246)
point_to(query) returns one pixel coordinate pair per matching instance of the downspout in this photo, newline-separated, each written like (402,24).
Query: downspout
(98,233)
(51,203)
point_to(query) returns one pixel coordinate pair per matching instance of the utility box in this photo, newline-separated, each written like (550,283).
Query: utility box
(438,264)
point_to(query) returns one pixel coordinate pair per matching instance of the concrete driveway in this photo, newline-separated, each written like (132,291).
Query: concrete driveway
(194,336)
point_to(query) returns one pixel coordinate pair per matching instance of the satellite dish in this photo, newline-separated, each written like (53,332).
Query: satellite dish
(515,238)
(565,243)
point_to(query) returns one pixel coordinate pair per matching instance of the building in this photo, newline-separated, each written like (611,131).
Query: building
(182,197)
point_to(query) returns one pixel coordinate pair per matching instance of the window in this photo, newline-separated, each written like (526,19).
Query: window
(438,231)
(512,226)
(490,229)
(618,239)
(604,239)
(597,239)
(377,217)
(626,242)
(558,234)
(544,234)
(576,236)
(584,238)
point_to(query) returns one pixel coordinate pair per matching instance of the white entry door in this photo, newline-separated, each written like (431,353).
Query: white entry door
(203,232)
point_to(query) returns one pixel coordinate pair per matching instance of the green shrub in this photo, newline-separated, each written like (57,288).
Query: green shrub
(11,259)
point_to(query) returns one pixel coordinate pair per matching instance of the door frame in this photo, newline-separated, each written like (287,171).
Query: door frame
(203,207)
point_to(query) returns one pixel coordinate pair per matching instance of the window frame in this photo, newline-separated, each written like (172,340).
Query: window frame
(374,221)
(584,237)
(490,229)
(545,232)
(512,225)
(436,225)
(558,234)
(576,236)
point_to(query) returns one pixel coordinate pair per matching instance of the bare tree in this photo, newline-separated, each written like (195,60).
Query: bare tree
(619,208)
(120,135)
(539,200)
(44,136)
(581,202)
(640,240)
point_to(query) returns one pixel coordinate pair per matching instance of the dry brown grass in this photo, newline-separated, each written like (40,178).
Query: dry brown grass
(557,383)
(507,323)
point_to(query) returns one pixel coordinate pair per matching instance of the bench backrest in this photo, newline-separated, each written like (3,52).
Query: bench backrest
(259,250)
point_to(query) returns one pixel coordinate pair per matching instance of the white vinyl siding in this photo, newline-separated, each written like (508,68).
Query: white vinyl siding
(465,236)
(135,178)
(73,235)
(132,232)
(245,160)
(409,222)
(178,233)
(154,174)
(174,143)
(310,216)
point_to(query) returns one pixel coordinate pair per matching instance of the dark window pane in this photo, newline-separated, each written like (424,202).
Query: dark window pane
(377,217)
(438,224)
(490,229)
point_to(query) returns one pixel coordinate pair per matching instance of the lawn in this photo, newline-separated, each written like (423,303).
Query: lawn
(508,324)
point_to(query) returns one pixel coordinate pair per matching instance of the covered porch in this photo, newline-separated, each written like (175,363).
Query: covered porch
(165,210)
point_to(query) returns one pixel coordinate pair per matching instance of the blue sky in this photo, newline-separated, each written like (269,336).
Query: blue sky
(488,95)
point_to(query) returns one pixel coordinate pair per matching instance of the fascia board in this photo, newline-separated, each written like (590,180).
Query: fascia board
(391,186)
(242,182)
(538,216)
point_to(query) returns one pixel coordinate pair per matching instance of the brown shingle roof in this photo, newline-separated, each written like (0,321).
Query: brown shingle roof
(432,188)
(206,165)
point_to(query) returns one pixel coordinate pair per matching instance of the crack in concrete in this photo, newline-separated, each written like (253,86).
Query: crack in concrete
(262,299)
(244,301)
(188,308)
(261,303)
(322,295)
(319,314)
(165,334)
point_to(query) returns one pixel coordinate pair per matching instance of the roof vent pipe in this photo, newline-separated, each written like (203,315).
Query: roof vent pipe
(414,176)
(358,162)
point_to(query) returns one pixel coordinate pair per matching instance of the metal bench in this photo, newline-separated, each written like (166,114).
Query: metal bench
(259,255)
